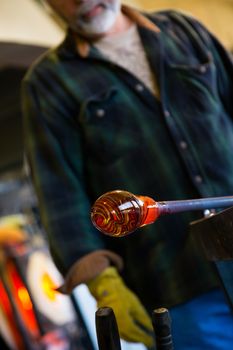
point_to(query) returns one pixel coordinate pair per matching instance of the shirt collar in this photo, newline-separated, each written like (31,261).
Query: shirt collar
(79,45)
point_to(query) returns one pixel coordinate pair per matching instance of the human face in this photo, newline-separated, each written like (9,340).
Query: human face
(89,18)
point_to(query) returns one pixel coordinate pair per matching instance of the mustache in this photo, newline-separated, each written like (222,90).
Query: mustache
(90,4)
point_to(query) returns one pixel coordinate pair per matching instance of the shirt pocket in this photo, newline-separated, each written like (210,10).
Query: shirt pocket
(107,126)
(192,89)
(97,106)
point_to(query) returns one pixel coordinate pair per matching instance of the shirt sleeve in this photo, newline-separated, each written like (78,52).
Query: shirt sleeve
(53,146)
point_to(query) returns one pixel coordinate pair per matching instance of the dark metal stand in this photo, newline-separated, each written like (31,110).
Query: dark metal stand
(214,235)
(161,322)
(106,329)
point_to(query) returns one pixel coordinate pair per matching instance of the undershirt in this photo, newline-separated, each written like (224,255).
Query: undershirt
(126,50)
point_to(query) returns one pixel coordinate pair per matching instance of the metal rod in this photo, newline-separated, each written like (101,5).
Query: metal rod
(170,207)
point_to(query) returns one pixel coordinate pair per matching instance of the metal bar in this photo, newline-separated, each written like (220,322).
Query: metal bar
(107,330)
(170,207)
(161,322)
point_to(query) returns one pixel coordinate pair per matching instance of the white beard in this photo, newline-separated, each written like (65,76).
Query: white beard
(99,24)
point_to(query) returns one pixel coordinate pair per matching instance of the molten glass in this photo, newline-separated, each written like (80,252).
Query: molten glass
(119,213)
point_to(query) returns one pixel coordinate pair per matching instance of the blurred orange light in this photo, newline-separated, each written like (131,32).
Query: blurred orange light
(24,298)
(49,287)
(6,308)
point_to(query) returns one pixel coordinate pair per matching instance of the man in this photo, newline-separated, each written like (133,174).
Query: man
(141,103)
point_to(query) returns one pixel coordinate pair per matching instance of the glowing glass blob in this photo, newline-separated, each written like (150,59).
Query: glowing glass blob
(118,213)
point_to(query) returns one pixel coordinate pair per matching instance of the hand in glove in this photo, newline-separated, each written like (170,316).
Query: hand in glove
(109,290)
(133,321)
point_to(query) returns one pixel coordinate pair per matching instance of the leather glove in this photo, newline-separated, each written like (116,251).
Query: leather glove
(89,267)
(133,321)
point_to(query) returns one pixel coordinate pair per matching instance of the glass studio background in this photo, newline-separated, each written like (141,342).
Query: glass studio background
(27,29)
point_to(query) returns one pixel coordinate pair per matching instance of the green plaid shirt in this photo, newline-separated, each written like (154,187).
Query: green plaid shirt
(91,127)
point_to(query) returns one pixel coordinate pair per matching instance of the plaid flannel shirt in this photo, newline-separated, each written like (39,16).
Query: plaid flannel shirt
(91,126)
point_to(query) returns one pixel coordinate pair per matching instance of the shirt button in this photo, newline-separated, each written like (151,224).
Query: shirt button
(202,69)
(139,87)
(100,113)
(198,179)
(167,113)
(183,145)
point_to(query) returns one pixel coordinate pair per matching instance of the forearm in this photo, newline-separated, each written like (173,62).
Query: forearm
(54,150)
(89,267)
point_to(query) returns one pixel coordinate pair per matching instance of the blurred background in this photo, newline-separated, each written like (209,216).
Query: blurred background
(28,28)
(27,275)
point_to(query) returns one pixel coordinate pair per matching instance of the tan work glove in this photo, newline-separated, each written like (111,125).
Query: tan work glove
(108,289)
(133,321)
